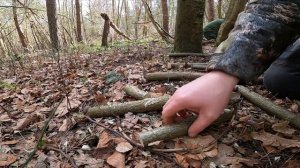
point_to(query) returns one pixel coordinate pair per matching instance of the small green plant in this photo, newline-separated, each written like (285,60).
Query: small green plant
(9,86)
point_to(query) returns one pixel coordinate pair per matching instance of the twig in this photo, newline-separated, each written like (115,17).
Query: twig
(115,132)
(72,161)
(40,140)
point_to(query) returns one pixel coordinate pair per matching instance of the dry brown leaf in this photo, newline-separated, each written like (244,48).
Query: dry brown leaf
(104,140)
(292,164)
(124,147)
(24,122)
(100,98)
(141,164)
(12,142)
(64,107)
(274,140)
(202,147)
(237,161)
(116,160)
(67,123)
(295,108)
(6,159)
(283,128)
(30,109)
(182,160)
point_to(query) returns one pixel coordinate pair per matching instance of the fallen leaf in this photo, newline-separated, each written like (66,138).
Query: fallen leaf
(116,160)
(283,128)
(6,159)
(24,122)
(12,142)
(292,164)
(66,106)
(141,164)
(100,98)
(29,109)
(238,160)
(67,123)
(124,147)
(104,140)
(295,108)
(274,140)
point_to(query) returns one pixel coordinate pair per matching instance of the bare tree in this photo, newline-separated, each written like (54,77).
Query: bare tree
(188,32)
(78,21)
(165,12)
(210,10)
(20,33)
(235,7)
(52,22)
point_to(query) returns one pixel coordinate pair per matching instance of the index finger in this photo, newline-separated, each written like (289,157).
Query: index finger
(169,111)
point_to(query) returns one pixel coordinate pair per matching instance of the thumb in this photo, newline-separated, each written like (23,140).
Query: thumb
(200,124)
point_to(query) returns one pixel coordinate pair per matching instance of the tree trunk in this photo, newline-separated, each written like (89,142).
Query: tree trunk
(105,30)
(235,8)
(78,21)
(51,14)
(189,25)
(210,10)
(20,33)
(165,12)
(220,16)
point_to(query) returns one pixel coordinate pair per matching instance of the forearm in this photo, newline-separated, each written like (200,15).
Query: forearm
(260,35)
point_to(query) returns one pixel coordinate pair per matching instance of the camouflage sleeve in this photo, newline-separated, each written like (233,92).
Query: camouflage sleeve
(261,34)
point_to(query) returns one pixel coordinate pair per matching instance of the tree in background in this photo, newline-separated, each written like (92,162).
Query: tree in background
(52,23)
(165,12)
(210,8)
(78,21)
(189,25)
(235,7)
(17,25)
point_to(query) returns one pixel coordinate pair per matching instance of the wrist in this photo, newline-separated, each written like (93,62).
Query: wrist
(225,78)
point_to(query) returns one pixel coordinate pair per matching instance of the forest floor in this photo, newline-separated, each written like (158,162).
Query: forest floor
(33,88)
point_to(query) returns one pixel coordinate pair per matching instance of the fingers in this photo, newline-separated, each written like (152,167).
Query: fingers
(170,110)
(201,123)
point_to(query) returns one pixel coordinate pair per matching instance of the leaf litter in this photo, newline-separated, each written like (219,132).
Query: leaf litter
(252,139)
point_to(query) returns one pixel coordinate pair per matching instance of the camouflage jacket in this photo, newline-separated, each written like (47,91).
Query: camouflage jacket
(262,32)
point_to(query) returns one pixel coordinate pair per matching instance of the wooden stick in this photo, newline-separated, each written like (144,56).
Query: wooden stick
(161,76)
(177,130)
(199,66)
(269,107)
(188,54)
(136,93)
(150,104)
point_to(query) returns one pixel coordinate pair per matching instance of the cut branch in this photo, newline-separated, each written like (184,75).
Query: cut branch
(136,93)
(199,66)
(150,104)
(177,130)
(112,25)
(161,76)
(269,107)
(189,54)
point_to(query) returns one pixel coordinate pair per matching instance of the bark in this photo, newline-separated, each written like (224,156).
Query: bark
(220,9)
(165,36)
(78,21)
(105,30)
(189,26)
(199,66)
(17,25)
(235,7)
(269,107)
(165,13)
(162,76)
(178,129)
(136,93)
(141,106)
(188,54)
(112,25)
(210,10)
(52,23)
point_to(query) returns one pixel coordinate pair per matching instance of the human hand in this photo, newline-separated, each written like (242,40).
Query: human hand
(206,96)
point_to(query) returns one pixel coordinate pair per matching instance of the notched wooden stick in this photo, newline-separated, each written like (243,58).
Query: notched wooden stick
(176,130)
